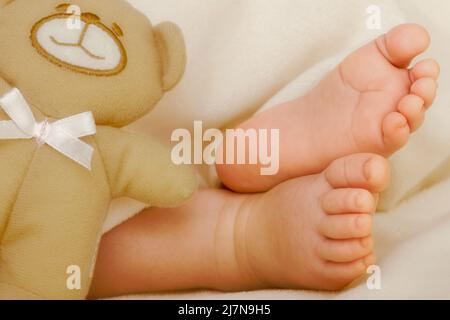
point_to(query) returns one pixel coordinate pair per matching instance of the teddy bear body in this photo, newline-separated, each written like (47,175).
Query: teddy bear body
(42,239)
(51,208)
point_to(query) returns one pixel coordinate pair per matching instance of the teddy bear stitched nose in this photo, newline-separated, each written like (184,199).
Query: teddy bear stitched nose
(79,43)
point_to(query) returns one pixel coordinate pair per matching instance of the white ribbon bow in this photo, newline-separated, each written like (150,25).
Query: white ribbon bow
(61,135)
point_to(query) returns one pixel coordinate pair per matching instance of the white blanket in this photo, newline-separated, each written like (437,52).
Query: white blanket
(248,55)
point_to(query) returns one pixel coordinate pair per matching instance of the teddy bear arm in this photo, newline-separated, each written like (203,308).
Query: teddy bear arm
(141,168)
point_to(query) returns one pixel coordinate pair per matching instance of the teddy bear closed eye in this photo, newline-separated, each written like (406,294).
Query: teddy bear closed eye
(68,82)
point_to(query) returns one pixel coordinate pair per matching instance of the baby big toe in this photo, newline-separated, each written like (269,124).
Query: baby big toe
(343,227)
(403,43)
(425,88)
(345,250)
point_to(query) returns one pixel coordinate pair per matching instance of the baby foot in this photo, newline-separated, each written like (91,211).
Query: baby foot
(392,100)
(315,232)
(370,103)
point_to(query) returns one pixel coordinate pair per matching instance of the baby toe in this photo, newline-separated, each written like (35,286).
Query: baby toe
(403,43)
(366,171)
(396,131)
(345,250)
(426,69)
(339,201)
(349,226)
(425,88)
(342,274)
(412,107)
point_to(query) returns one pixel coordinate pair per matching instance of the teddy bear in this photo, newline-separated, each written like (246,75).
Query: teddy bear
(71,75)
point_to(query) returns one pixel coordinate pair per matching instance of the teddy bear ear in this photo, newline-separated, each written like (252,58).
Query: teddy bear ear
(172,50)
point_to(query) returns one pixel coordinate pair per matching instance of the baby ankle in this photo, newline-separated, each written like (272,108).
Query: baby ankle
(234,265)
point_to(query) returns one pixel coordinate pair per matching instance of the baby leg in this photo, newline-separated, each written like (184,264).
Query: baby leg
(312,232)
(173,249)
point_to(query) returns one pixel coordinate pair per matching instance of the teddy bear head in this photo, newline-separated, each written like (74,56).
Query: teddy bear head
(84,55)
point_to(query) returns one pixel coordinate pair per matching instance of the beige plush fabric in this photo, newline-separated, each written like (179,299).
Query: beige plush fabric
(52,209)
(246,55)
